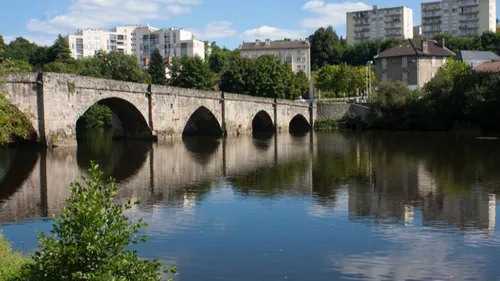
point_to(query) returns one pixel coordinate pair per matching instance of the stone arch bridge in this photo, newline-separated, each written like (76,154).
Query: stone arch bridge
(54,103)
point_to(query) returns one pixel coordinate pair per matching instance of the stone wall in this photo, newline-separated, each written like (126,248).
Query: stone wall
(335,111)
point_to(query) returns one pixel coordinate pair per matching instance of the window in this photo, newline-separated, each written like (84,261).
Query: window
(404,77)
(404,62)
(433,62)
(384,77)
(384,63)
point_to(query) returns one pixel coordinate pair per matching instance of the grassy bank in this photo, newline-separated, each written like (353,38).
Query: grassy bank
(10,261)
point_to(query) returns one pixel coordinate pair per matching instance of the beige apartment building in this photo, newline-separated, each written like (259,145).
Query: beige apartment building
(413,62)
(139,41)
(461,18)
(395,22)
(296,53)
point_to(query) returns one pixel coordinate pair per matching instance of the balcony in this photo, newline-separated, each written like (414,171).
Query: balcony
(468,4)
(431,8)
(362,23)
(434,16)
(476,19)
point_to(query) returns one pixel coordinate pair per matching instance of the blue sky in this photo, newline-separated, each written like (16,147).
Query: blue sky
(227,22)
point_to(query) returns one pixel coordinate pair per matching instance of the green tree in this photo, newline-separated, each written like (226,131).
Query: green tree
(20,49)
(156,68)
(217,61)
(174,70)
(90,240)
(2,49)
(96,117)
(114,65)
(14,66)
(69,66)
(270,77)
(300,86)
(193,73)
(235,78)
(325,45)
(60,51)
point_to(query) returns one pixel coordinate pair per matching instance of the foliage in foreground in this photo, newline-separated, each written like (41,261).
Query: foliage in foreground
(90,239)
(10,261)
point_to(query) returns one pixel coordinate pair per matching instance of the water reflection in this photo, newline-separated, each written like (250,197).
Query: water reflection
(364,206)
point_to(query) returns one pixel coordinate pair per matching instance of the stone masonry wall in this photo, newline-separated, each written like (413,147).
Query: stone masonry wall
(55,103)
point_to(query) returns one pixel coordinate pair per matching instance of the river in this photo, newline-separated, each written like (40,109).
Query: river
(324,206)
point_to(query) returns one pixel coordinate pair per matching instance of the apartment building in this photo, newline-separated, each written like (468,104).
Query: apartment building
(414,62)
(417,31)
(296,53)
(461,18)
(395,22)
(139,41)
(88,42)
(171,42)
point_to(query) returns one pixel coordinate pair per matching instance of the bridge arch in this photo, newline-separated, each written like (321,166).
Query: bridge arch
(202,123)
(299,125)
(128,121)
(262,124)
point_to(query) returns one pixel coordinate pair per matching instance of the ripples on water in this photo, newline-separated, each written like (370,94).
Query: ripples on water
(323,207)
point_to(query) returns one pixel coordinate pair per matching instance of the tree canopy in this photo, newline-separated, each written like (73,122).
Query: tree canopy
(156,68)
(190,72)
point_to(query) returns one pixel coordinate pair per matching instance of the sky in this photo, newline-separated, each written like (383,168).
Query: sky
(228,22)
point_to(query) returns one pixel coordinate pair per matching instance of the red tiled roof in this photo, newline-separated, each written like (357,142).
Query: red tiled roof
(413,47)
(492,66)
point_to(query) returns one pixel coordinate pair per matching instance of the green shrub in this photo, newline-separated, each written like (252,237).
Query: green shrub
(10,262)
(90,240)
(12,122)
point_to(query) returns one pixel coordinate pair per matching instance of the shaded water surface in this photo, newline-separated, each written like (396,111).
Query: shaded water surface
(374,206)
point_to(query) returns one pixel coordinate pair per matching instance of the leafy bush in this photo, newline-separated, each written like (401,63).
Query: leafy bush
(90,239)
(10,262)
(13,123)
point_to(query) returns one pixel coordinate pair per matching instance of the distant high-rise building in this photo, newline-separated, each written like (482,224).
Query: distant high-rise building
(461,18)
(394,22)
(139,41)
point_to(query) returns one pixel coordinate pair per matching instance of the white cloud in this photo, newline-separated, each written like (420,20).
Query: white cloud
(103,13)
(39,40)
(273,33)
(333,14)
(215,30)
(178,9)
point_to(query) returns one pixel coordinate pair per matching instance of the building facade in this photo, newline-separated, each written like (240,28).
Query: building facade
(417,31)
(296,53)
(461,18)
(413,62)
(171,42)
(87,42)
(139,41)
(395,22)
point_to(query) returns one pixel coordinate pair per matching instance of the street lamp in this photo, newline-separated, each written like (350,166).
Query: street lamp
(368,78)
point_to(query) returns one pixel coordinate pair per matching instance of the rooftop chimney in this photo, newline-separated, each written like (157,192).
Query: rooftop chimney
(441,42)
(375,7)
(425,46)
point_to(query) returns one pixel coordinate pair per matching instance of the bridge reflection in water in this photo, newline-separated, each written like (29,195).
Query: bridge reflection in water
(375,179)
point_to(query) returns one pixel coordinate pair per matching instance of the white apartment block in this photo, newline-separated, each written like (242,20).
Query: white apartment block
(296,53)
(394,22)
(139,41)
(461,18)
(88,42)
(171,42)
